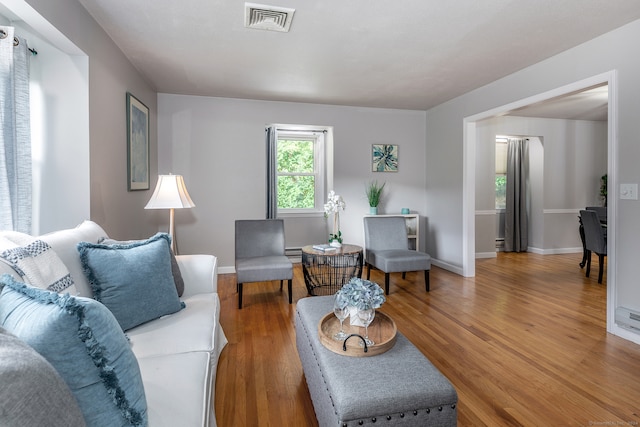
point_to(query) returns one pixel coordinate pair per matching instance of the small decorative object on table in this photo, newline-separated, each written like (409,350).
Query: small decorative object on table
(373,192)
(366,316)
(335,240)
(324,248)
(360,294)
(334,205)
(341,313)
(359,300)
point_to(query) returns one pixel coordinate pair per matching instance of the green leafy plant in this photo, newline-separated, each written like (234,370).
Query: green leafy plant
(373,191)
(336,237)
(603,188)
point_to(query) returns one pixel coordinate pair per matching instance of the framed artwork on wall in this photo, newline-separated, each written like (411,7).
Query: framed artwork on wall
(384,158)
(137,144)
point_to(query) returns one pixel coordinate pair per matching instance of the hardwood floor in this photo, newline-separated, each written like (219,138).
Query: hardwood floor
(523,342)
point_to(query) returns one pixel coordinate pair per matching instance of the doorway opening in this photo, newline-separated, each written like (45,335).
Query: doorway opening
(518,184)
(470,131)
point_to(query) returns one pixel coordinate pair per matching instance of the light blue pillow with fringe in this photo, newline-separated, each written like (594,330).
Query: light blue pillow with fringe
(134,280)
(85,344)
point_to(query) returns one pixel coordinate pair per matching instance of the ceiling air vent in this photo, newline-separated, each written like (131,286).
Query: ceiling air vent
(263,17)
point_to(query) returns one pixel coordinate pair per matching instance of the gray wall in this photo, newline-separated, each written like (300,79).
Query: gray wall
(571,157)
(445,145)
(217,144)
(103,180)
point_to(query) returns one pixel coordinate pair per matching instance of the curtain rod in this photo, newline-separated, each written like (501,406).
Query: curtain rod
(507,138)
(16,42)
(299,130)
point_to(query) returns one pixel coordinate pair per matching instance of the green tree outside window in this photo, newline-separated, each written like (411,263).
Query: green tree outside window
(296,180)
(501,191)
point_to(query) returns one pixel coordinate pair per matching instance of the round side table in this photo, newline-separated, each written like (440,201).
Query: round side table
(326,271)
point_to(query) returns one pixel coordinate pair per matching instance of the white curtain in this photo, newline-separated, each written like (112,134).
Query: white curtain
(15,133)
(516,227)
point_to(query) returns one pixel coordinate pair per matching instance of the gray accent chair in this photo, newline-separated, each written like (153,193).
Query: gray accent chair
(260,254)
(387,249)
(595,239)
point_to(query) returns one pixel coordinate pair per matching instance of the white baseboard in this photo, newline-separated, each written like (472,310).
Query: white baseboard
(486,255)
(625,333)
(227,270)
(555,251)
(447,266)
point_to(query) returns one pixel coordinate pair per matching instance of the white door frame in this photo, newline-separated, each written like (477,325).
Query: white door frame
(468,183)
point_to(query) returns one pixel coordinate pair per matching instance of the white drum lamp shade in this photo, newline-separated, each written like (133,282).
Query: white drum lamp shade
(170,193)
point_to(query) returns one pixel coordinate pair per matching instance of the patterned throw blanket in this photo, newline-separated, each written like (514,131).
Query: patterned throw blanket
(35,261)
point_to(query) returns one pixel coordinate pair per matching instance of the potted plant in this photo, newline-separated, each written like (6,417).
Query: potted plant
(373,191)
(334,205)
(603,189)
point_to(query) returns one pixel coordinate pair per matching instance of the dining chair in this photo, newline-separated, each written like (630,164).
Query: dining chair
(602,216)
(601,211)
(387,249)
(260,254)
(595,239)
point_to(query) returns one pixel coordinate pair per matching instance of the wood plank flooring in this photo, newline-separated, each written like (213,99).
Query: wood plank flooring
(524,343)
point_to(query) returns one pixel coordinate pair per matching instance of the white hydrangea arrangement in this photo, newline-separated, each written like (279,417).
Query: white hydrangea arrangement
(361,294)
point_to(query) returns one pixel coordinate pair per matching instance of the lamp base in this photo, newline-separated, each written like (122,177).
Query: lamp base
(172,234)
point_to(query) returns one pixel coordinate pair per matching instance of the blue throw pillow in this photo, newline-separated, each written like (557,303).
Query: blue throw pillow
(175,268)
(134,281)
(84,343)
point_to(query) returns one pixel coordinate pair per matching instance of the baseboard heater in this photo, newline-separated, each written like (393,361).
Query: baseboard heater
(628,318)
(294,254)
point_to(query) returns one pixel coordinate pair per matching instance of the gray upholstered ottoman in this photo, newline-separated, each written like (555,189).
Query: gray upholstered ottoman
(397,388)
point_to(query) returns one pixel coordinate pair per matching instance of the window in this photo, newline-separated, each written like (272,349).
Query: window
(501,173)
(297,171)
(300,170)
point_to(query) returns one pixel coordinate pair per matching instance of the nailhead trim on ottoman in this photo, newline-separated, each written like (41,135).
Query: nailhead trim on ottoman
(397,388)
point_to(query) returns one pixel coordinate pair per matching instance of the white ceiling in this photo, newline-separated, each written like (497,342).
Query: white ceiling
(411,54)
(589,104)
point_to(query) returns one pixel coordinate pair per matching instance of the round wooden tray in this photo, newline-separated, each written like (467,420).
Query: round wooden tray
(382,331)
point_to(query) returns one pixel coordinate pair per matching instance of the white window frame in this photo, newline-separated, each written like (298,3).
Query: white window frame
(501,141)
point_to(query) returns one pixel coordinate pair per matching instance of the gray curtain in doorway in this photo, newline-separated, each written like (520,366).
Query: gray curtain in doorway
(272,177)
(15,133)
(516,227)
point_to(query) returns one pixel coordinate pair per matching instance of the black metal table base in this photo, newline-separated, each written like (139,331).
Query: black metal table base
(325,273)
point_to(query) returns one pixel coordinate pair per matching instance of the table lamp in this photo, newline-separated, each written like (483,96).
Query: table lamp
(170,193)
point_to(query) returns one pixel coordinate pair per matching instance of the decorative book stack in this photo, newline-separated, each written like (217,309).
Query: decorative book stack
(324,248)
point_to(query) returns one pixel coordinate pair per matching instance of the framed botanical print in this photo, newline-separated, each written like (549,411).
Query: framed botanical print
(384,158)
(137,144)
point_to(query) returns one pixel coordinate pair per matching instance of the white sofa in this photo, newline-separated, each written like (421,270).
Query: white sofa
(178,353)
